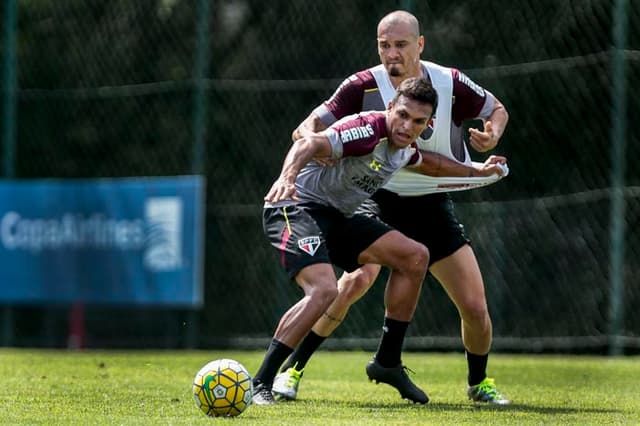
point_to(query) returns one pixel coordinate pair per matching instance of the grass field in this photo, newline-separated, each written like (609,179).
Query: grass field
(151,387)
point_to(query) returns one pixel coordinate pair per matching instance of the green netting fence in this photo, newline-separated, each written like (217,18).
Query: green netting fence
(169,87)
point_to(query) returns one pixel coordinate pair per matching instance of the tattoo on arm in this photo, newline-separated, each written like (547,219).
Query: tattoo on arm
(332,318)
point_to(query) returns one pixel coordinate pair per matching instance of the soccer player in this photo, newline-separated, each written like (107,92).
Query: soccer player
(308,218)
(409,202)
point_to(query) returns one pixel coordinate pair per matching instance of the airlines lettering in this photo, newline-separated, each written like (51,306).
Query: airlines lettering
(470,84)
(70,231)
(355,133)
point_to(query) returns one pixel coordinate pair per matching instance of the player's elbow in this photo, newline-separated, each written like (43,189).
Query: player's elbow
(505,114)
(296,134)
(501,110)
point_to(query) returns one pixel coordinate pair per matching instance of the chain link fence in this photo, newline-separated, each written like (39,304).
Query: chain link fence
(109,89)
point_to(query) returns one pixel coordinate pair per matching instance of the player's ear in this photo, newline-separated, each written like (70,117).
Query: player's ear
(390,106)
(420,44)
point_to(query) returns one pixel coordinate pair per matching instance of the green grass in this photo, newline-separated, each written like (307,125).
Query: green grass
(151,387)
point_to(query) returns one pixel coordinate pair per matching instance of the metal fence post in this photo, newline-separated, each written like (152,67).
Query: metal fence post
(200,103)
(618,148)
(9,83)
(200,108)
(9,88)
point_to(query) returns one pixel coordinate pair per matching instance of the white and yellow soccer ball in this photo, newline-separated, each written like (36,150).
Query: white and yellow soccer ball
(223,388)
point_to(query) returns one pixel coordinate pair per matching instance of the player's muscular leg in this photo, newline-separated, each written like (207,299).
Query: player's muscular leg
(408,261)
(460,276)
(320,289)
(351,287)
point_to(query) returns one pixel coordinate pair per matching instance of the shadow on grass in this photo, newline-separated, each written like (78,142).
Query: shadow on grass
(436,406)
(525,408)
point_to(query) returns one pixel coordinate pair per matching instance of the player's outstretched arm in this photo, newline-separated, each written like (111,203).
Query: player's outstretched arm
(300,153)
(438,165)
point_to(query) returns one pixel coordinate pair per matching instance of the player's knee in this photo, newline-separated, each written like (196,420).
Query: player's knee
(325,293)
(354,285)
(417,262)
(476,312)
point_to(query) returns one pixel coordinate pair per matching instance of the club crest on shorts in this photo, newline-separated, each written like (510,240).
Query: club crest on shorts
(309,244)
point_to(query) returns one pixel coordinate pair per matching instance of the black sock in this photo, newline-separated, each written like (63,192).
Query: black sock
(477,365)
(390,348)
(303,352)
(275,356)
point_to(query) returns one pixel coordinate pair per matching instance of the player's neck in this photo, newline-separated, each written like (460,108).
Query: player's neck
(393,147)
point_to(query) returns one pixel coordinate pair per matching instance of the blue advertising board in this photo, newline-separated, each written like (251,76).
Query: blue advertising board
(105,241)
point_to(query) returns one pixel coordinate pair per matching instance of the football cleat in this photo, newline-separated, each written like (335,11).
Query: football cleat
(398,378)
(486,391)
(262,395)
(286,384)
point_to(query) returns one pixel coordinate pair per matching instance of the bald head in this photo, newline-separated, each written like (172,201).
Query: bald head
(400,18)
(400,45)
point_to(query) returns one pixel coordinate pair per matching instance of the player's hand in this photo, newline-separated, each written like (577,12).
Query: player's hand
(495,164)
(280,191)
(483,140)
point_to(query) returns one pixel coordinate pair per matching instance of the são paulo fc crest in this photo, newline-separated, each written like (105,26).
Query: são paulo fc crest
(309,244)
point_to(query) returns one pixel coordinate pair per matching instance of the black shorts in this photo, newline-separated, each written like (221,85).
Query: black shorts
(429,219)
(306,234)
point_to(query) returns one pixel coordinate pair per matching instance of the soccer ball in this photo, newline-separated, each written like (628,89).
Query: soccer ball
(223,388)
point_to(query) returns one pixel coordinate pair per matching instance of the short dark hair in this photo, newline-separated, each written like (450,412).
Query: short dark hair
(419,89)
